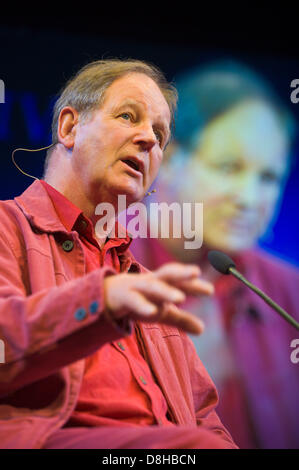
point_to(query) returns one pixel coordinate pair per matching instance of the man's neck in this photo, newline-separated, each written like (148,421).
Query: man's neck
(74,194)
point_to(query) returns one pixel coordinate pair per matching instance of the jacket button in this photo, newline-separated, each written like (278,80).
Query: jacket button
(93,308)
(68,245)
(80,314)
(142,380)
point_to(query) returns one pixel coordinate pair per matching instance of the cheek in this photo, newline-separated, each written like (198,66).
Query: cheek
(202,185)
(155,163)
(268,199)
(96,137)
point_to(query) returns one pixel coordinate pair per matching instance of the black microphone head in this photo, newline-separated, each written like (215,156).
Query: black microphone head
(220,261)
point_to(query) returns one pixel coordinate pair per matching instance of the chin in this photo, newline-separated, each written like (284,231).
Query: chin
(235,248)
(132,194)
(232,246)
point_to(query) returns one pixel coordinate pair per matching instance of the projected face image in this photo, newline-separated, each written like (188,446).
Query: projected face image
(237,171)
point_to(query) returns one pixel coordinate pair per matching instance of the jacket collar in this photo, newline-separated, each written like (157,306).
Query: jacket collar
(37,207)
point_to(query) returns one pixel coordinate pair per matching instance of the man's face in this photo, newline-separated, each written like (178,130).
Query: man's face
(237,171)
(118,150)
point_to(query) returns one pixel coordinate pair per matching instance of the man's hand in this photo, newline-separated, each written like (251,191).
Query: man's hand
(152,297)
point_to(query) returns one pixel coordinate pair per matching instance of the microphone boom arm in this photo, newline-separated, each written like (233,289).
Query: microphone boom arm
(267,299)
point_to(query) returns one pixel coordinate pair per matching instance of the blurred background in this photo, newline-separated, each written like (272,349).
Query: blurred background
(38,54)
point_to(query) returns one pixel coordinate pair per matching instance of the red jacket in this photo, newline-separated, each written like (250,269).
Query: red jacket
(43,289)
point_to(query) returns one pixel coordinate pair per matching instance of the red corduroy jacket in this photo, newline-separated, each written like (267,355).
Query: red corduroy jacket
(43,292)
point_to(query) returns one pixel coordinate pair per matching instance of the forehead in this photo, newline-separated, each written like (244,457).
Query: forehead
(251,130)
(137,88)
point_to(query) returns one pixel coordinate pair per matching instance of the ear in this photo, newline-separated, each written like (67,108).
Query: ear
(67,125)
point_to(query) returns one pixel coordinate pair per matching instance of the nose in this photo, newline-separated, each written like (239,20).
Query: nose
(145,137)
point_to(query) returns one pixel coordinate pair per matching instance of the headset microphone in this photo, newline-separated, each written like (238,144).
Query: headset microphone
(28,150)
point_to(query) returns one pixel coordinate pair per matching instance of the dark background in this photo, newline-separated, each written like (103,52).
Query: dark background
(39,53)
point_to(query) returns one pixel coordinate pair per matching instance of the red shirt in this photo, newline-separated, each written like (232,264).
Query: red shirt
(118,386)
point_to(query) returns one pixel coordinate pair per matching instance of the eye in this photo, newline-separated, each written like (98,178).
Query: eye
(268,176)
(126,116)
(159,136)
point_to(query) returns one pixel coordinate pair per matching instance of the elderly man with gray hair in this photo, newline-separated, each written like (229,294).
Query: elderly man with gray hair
(97,354)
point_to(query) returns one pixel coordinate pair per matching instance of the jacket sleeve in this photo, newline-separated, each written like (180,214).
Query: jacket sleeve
(52,328)
(205,397)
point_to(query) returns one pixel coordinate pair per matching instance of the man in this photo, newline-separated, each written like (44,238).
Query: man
(94,358)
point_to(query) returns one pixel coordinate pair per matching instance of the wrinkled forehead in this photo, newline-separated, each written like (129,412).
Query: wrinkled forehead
(138,88)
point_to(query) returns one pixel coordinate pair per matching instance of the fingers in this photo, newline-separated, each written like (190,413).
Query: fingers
(153,297)
(148,295)
(185,278)
(168,313)
(172,272)
(171,314)
(196,287)
(138,293)
(136,303)
(159,291)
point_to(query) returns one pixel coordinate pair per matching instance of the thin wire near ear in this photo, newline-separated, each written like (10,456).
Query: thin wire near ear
(28,150)
(149,193)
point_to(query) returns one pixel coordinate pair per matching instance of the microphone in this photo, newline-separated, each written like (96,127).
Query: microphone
(225,265)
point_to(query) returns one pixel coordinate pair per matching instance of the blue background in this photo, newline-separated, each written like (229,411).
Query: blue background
(36,59)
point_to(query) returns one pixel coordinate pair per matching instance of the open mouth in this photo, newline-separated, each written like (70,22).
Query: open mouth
(133,163)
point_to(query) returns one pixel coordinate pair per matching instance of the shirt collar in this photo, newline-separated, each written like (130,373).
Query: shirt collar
(73,219)
(67,212)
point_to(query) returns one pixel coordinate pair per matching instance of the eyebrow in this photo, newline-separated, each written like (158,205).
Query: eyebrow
(161,125)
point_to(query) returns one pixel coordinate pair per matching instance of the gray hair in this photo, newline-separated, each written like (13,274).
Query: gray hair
(86,90)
